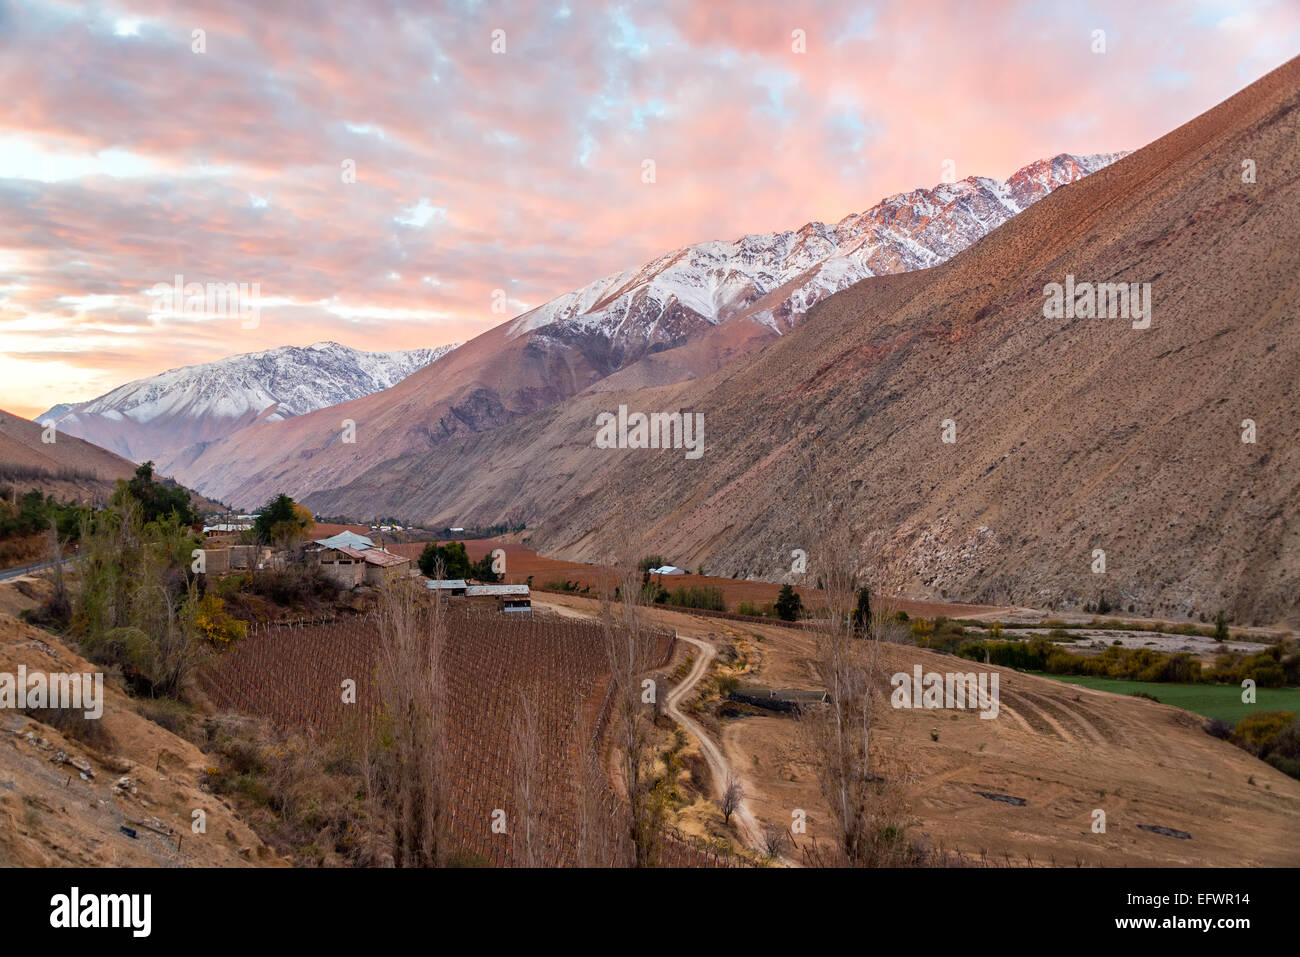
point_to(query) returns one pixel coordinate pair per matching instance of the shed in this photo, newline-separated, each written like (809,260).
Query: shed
(454,586)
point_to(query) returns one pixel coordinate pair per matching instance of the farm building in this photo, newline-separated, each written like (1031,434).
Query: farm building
(344,565)
(349,538)
(348,566)
(224,528)
(381,565)
(453,586)
(512,598)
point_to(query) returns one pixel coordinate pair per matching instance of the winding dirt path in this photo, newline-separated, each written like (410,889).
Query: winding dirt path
(719,769)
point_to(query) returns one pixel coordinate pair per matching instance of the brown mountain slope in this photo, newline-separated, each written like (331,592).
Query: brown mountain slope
(64,799)
(678,317)
(485,383)
(1072,434)
(68,467)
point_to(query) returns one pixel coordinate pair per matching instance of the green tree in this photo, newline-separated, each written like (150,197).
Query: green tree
(281,520)
(862,611)
(789,606)
(481,570)
(453,558)
(157,499)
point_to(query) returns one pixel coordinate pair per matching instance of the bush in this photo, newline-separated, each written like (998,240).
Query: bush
(707,597)
(168,714)
(1218,728)
(453,557)
(1259,733)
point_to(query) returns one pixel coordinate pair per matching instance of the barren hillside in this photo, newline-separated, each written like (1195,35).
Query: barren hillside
(64,800)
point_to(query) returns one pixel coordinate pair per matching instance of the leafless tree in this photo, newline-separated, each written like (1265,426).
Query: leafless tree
(526,754)
(774,836)
(410,784)
(60,602)
(731,798)
(627,635)
(866,806)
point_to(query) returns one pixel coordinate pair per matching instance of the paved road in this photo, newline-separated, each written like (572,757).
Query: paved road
(9,573)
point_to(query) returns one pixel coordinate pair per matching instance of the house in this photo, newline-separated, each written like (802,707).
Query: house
(346,538)
(511,598)
(344,565)
(382,565)
(669,570)
(224,528)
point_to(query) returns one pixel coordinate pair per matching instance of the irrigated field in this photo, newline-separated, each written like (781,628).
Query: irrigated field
(1211,701)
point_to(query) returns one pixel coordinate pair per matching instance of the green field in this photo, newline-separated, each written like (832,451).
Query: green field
(1212,701)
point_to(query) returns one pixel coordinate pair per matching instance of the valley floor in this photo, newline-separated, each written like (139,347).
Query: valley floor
(1066,751)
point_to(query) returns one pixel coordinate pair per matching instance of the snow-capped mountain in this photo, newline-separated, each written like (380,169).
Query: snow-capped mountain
(158,417)
(679,317)
(774,278)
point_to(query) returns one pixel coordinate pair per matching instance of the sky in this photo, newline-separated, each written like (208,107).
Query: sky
(393,175)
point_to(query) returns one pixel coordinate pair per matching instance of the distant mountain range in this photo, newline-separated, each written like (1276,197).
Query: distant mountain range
(161,417)
(681,316)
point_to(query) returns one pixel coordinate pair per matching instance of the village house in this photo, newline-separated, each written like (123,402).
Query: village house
(348,560)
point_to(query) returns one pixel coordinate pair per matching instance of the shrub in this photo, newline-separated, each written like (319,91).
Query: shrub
(1219,728)
(168,714)
(1259,733)
(215,624)
(695,596)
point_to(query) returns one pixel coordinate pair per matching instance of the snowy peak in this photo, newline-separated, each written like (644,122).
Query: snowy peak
(156,417)
(718,281)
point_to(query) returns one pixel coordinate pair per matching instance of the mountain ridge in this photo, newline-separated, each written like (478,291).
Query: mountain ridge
(680,316)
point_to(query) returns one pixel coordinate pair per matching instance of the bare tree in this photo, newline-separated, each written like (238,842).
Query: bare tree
(526,754)
(731,798)
(410,784)
(596,841)
(627,635)
(866,806)
(60,602)
(773,839)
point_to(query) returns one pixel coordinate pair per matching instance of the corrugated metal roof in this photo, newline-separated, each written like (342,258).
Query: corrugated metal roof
(444,583)
(346,538)
(382,557)
(350,552)
(499,591)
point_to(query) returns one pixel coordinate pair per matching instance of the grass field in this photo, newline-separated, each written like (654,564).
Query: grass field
(1211,701)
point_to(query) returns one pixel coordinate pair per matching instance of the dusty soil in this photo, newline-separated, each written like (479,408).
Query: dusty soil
(63,802)
(1064,750)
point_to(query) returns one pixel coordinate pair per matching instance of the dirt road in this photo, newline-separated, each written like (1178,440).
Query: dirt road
(719,768)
